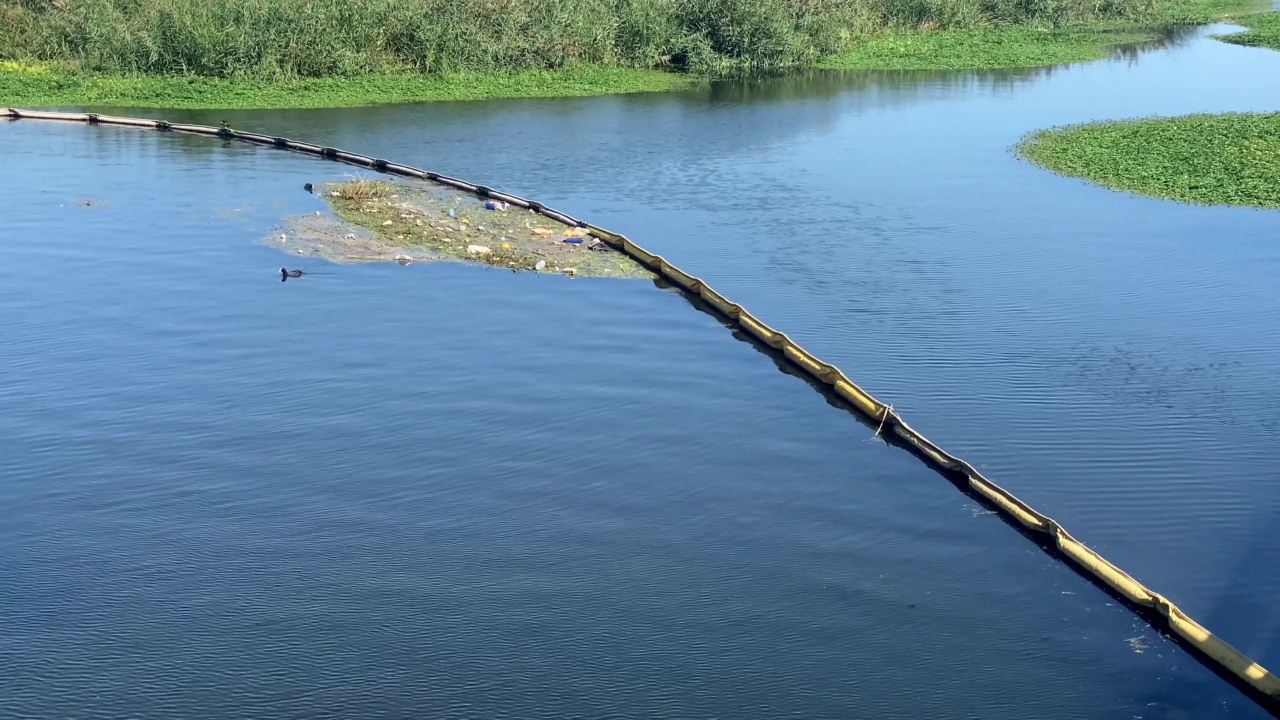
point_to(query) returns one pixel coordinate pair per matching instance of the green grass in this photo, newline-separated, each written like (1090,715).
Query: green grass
(1001,47)
(1190,12)
(1264,31)
(1228,159)
(44,86)
(1030,44)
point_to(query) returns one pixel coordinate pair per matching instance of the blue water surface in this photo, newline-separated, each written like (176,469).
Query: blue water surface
(451,491)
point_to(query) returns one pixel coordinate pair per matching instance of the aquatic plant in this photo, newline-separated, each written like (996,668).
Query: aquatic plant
(363,189)
(380,220)
(1003,47)
(1227,159)
(1263,31)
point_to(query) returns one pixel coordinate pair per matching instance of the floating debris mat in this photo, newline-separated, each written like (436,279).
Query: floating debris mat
(376,220)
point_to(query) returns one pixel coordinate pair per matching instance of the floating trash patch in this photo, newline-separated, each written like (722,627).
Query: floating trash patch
(384,220)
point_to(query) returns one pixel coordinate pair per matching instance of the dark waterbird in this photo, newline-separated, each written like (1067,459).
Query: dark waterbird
(307,187)
(285,274)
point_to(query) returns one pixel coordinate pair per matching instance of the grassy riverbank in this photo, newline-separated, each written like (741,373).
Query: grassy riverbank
(1008,47)
(1263,31)
(1224,159)
(1030,44)
(329,53)
(51,86)
(1228,159)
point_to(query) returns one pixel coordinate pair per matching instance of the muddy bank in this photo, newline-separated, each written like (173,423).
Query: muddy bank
(382,220)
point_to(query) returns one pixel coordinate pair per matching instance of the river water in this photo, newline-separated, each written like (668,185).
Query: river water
(449,491)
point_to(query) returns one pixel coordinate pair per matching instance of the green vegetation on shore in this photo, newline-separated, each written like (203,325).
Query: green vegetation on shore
(1005,47)
(313,53)
(1222,159)
(1227,159)
(1195,12)
(1264,31)
(286,39)
(1030,43)
(50,86)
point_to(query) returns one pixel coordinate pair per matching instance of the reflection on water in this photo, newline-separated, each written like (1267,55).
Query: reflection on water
(454,492)
(868,85)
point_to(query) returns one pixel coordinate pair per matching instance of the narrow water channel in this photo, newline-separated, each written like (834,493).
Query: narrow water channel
(448,491)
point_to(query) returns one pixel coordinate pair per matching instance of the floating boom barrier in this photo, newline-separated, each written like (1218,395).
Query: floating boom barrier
(1254,680)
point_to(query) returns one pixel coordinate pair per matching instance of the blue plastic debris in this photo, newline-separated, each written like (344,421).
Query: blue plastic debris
(573,240)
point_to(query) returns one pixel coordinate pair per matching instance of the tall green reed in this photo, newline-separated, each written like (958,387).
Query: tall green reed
(280,39)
